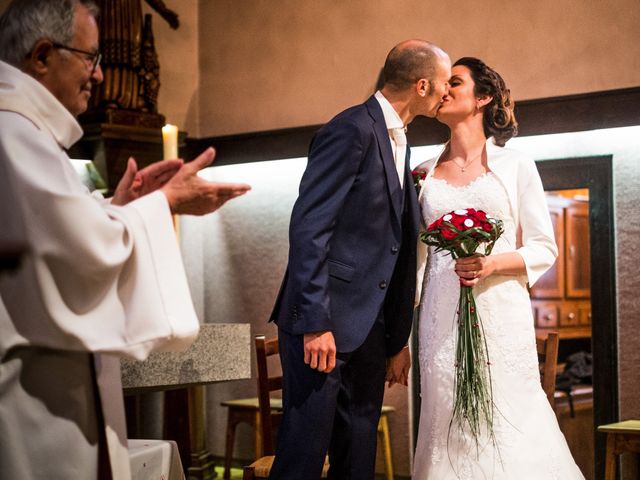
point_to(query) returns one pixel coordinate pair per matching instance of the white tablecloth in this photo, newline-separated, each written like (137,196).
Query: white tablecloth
(155,460)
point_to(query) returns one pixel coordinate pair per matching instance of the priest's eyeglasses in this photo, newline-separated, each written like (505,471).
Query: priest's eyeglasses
(92,57)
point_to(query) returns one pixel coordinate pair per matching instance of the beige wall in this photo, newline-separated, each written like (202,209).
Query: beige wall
(267,65)
(179,73)
(236,67)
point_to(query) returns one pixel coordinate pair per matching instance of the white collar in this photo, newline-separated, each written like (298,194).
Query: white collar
(23,94)
(391,117)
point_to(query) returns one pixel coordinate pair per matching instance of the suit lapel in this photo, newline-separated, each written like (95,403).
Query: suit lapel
(384,144)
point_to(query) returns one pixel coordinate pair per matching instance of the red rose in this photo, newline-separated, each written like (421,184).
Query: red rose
(448,234)
(419,174)
(481,216)
(435,225)
(457,221)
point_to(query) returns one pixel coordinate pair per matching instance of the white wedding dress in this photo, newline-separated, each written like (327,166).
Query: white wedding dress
(528,442)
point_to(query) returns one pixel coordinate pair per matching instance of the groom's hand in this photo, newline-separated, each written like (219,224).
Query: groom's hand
(398,368)
(320,351)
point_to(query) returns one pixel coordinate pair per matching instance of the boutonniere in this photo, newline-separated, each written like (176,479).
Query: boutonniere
(418,179)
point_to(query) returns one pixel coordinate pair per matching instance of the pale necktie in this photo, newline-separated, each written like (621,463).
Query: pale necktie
(400,140)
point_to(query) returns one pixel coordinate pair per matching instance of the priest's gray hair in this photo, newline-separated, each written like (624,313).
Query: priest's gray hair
(24,22)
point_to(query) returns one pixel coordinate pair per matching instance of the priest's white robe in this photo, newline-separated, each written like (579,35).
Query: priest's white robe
(99,282)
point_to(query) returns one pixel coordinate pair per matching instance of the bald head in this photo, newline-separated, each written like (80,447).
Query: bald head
(409,61)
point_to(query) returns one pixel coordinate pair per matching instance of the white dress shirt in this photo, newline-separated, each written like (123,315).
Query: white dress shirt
(397,136)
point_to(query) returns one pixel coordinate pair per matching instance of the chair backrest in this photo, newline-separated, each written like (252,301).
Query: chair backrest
(547,346)
(269,419)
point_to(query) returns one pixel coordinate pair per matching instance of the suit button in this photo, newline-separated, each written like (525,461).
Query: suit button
(382,285)
(394,249)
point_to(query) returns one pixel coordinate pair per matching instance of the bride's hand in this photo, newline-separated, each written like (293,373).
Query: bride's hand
(474,268)
(398,368)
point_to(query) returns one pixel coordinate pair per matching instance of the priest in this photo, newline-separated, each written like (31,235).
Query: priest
(102,279)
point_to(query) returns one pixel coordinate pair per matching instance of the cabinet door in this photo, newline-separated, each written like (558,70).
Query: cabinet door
(551,284)
(578,263)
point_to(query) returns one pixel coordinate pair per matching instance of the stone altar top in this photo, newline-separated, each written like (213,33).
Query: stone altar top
(221,352)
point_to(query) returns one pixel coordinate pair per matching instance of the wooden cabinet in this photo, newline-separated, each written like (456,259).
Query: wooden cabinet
(577,263)
(561,297)
(546,314)
(551,284)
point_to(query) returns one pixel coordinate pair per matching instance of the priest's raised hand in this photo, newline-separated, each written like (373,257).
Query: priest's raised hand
(187,193)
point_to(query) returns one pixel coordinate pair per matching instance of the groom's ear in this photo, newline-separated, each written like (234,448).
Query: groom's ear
(423,87)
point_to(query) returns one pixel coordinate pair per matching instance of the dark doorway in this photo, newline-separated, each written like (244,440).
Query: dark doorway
(595,174)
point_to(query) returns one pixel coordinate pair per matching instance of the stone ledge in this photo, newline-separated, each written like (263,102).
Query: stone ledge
(221,352)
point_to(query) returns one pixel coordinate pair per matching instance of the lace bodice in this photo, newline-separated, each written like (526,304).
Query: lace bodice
(484,193)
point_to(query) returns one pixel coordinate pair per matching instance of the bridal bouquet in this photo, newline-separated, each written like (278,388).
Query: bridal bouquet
(461,233)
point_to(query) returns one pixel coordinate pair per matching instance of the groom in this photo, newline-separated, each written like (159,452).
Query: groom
(345,308)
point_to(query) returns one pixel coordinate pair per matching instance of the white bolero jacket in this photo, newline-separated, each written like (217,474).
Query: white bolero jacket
(518,174)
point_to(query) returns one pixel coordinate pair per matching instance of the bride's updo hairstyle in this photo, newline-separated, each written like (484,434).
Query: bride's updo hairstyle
(499,121)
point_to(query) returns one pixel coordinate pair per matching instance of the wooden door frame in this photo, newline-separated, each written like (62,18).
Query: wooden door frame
(596,174)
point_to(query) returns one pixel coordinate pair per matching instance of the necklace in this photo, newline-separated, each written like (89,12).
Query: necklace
(466,164)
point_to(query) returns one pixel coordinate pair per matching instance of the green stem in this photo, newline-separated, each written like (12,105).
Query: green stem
(473,399)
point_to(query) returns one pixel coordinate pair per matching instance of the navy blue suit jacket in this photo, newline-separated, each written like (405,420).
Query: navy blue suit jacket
(352,237)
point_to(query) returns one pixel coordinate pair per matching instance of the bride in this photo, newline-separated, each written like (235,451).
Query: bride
(475,170)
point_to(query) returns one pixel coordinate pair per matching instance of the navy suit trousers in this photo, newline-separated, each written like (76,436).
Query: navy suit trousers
(336,413)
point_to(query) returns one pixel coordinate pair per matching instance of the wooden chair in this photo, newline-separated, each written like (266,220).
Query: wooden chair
(267,384)
(244,410)
(263,413)
(270,419)
(547,346)
(621,437)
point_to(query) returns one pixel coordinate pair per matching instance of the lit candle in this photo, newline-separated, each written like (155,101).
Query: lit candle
(170,141)
(169,152)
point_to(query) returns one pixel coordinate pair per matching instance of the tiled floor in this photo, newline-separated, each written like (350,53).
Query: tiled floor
(236,473)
